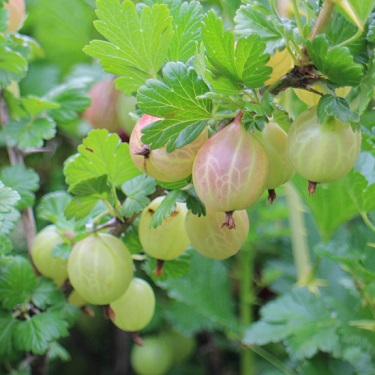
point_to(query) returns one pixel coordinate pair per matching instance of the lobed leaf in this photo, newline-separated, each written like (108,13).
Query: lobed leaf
(137,45)
(330,105)
(300,318)
(242,65)
(23,180)
(176,102)
(30,133)
(35,334)
(335,62)
(101,154)
(213,301)
(137,191)
(13,66)
(17,281)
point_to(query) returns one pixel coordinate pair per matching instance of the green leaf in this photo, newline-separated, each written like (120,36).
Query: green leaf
(337,202)
(356,10)
(35,334)
(137,190)
(8,198)
(96,186)
(136,46)
(8,214)
(46,294)
(335,62)
(13,66)
(28,133)
(34,105)
(213,298)
(101,154)
(80,207)
(330,105)
(177,102)
(23,180)
(244,64)
(51,207)
(301,319)
(131,240)
(165,208)
(186,319)
(255,19)
(187,18)
(7,326)
(192,201)
(72,97)
(17,281)
(171,269)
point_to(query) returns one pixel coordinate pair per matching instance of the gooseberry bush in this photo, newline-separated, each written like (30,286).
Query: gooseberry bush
(187,187)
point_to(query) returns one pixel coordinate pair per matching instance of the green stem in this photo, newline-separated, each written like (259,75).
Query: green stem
(246,301)
(351,39)
(297,17)
(324,19)
(298,234)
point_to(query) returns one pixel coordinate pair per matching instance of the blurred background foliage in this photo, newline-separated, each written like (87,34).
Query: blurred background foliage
(206,301)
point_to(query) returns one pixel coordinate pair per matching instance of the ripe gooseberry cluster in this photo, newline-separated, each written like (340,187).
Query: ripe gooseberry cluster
(100,269)
(232,169)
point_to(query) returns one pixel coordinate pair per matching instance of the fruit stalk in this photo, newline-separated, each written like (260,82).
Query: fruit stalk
(247,298)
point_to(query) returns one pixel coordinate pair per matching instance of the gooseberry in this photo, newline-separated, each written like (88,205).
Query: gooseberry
(135,308)
(160,164)
(168,240)
(17,12)
(275,141)
(100,268)
(53,267)
(154,357)
(213,240)
(322,152)
(230,171)
(102,112)
(181,346)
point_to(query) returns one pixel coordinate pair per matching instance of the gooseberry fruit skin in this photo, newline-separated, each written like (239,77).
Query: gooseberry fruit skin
(17,12)
(280,62)
(100,268)
(135,308)
(322,152)
(168,240)
(153,358)
(102,112)
(231,169)
(48,265)
(160,164)
(275,141)
(213,240)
